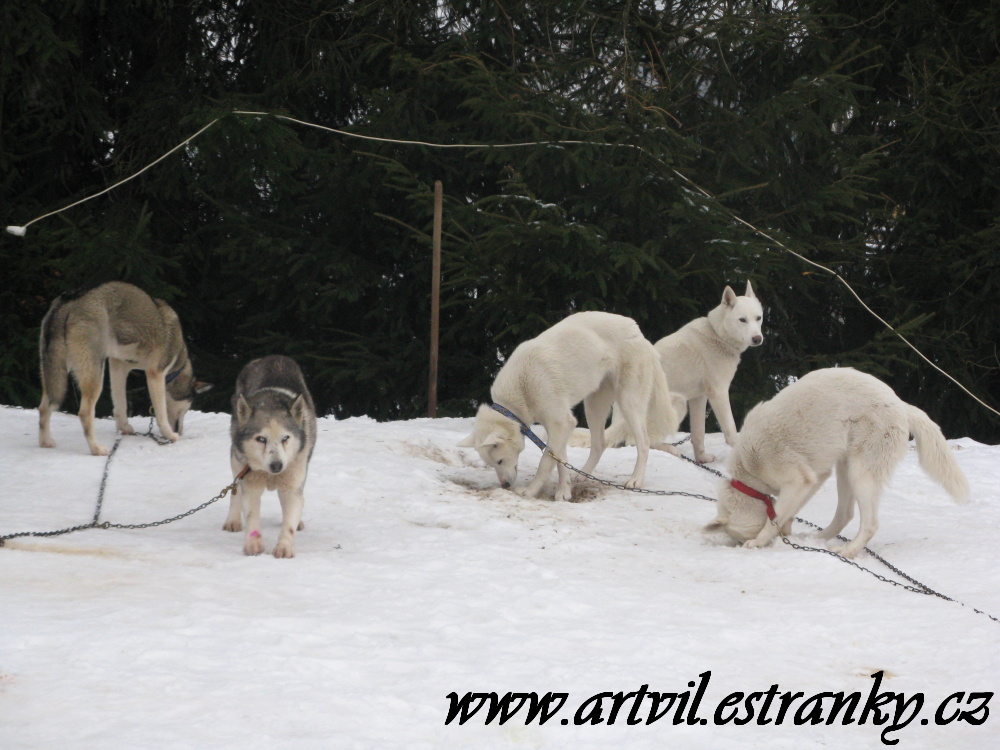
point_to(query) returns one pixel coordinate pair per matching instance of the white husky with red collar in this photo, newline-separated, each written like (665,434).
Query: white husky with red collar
(834,418)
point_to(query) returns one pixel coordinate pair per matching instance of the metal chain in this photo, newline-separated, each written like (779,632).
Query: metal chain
(158,439)
(913,585)
(96,523)
(615,485)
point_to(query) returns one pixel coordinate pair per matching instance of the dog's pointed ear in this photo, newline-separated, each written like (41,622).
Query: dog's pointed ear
(467,442)
(749,291)
(243,410)
(298,409)
(493,440)
(200,387)
(728,297)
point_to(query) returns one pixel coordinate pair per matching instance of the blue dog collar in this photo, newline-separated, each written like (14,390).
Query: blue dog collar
(525,429)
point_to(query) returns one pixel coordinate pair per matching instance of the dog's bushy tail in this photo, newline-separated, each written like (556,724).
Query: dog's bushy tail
(935,456)
(52,357)
(662,420)
(616,435)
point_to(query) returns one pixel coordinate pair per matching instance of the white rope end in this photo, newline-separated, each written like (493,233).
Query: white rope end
(19,231)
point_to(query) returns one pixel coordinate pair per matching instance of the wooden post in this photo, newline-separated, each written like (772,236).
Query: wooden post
(435,300)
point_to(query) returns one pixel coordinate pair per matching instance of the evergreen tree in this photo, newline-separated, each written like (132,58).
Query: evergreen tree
(843,130)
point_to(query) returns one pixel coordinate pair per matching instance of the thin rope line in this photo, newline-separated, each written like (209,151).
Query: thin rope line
(437,145)
(122,182)
(839,278)
(21,229)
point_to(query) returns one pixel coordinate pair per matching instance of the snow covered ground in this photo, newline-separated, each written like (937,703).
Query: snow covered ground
(417,577)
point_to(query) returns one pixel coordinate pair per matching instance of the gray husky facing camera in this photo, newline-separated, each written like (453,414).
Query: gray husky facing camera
(120,324)
(273,432)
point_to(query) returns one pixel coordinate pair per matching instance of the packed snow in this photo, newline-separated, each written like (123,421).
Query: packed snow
(417,577)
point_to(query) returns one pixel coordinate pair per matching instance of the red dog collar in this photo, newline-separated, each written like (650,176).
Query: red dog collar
(767,499)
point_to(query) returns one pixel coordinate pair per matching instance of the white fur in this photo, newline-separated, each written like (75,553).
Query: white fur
(834,418)
(700,360)
(594,357)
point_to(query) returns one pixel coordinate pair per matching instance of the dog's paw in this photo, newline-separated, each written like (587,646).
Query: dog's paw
(526,492)
(754,544)
(126,429)
(253,544)
(284,550)
(236,525)
(98,450)
(705,458)
(845,550)
(564,494)
(46,443)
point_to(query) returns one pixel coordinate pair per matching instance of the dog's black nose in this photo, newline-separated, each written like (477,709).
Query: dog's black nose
(757,340)
(276,467)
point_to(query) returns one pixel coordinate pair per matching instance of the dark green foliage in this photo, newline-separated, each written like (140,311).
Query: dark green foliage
(863,137)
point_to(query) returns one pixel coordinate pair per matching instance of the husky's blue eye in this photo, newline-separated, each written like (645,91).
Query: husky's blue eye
(285,439)
(261,439)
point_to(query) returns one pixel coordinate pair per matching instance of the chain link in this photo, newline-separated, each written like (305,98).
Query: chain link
(96,523)
(912,585)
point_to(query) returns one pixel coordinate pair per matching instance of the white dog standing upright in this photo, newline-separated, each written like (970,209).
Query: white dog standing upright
(595,357)
(829,418)
(700,361)
(273,431)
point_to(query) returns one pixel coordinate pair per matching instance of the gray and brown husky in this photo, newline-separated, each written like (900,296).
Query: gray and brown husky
(120,324)
(273,431)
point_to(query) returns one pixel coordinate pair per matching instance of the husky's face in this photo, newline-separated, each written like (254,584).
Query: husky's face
(498,441)
(740,516)
(744,316)
(271,447)
(176,410)
(181,391)
(269,440)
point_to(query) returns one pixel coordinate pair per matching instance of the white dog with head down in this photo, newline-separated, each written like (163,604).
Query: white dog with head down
(594,357)
(790,445)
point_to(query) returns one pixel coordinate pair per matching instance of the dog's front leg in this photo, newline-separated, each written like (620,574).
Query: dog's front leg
(696,416)
(764,538)
(292,501)
(789,502)
(156,382)
(719,399)
(564,487)
(234,520)
(558,444)
(253,488)
(541,476)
